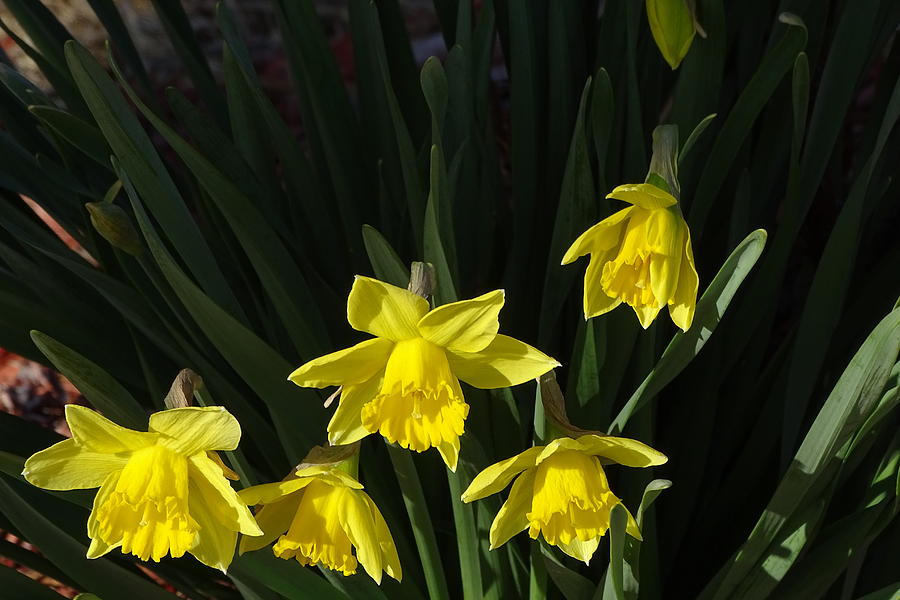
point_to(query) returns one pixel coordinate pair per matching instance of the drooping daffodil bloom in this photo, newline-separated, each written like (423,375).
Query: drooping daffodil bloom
(641,256)
(163,491)
(319,514)
(560,491)
(404,383)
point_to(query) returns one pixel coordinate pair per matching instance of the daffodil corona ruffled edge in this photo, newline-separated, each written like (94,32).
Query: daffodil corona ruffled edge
(162,492)
(318,515)
(561,491)
(404,383)
(640,255)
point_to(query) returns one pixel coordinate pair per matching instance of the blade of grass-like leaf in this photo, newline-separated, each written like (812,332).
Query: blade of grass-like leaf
(121,41)
(695,135)
(277,272)
(406,151)
(328,106)
(889,592)
(79,133)
(698,89)
(525,99)
(286,577)
(140,160)
(819,568)
(615,576)
(100,575)
(828,290)
(634,162)
(419,518)
(572,585)
(178,29)
(740,119)
(98,387)
(32,560)
(252,141)
(433,239)
(601,121)
(574,214)
(653,489)
(19,585)
(48,36)
(133,305)
(385,262)
(296,412)
(314,217)
(466,533)
(685,345)
(853,398)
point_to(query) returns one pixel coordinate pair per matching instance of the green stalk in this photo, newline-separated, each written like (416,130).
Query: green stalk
(423,530)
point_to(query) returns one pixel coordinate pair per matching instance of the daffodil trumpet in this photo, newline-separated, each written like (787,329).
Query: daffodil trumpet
(320,515)
(162,492)
(405,382)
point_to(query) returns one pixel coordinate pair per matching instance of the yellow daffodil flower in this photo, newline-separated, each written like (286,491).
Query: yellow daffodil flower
(319,515)
(561,491)
(161,492)
(641,256)
(404,383)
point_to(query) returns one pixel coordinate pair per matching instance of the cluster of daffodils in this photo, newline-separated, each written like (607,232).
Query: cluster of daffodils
(166,491)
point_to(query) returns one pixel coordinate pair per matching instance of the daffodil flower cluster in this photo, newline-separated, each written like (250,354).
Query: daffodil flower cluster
(166,492)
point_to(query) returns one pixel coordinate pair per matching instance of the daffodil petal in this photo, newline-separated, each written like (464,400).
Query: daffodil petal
(511,518)
(389,557)
(98,547)
(360,528)
(96,433)
(504,362)
(599,238)
(596,302)
(497,476)
(194,429)
(449,450)
(215,543)
(346,425)
(466,326)
(646,314)
(624,451)
(384,310)
(274,519)
(581,550)
(220,498)
(267,493)
(684,300)
(644,195)
(68,466)
(345,367)
(664,276)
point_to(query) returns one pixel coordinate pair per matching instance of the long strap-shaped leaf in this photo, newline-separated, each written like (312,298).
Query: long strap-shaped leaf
(850,402)
(297,414)
(140,160)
